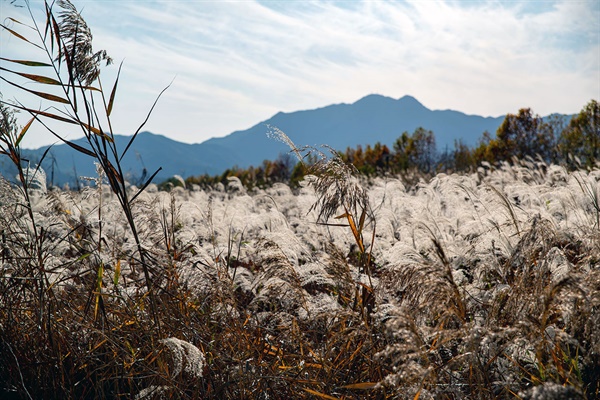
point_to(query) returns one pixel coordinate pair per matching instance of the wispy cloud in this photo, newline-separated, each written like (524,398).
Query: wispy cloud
(238,62)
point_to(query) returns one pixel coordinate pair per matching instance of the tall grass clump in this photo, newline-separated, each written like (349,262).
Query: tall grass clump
(60,327)
(66,42)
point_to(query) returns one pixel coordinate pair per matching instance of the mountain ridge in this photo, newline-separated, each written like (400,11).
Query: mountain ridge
(370,119)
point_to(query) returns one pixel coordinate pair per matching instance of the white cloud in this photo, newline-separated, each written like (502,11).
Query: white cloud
(236,63)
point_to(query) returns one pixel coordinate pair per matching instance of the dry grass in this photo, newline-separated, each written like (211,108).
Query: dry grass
(269,316)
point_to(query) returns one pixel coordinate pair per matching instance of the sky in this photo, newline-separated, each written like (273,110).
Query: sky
(232,64)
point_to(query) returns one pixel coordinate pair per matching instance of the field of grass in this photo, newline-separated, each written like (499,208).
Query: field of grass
(477,286)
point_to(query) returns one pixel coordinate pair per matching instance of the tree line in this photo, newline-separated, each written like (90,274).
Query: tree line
(574,143)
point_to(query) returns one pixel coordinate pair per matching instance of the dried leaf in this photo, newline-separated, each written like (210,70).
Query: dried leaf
(361,386)
(98,291)
(23,131)
(321,395)
(47,114)
(27,62)
(19,36)
(96,131)
(46,96)
(113,92)
(37,78)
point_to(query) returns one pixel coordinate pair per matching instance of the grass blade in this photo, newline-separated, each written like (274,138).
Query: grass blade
(37,113)
(46,96)
(145,121)
(19,36)
(36,78)
(26,62)
(97,131)
(111,171)
(360,386)
(113,92)
(16,21)
(356,233)
(361,223)
(98,291)
(80,149)
(319,394)
(117,273)
(56,36)
(39,165)
(45,114)
(23,131)
(145,185)
(509,207)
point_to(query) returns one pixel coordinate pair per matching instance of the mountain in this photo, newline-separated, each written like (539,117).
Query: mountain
(372,119)
(149,152)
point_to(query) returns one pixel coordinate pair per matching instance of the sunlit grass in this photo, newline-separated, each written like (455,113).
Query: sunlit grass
(468,298)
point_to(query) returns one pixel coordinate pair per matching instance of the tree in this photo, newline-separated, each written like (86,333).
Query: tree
(462,156)
(581,138)
(400,156)
(298,173)
(421,150)
(414,151)
(484,149)
(522,135)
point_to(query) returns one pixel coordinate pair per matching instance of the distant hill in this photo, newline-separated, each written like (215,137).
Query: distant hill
(148,151)
(372,119)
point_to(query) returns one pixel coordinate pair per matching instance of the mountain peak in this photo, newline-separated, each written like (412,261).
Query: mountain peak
(377,100)
(410,100)
(373,99)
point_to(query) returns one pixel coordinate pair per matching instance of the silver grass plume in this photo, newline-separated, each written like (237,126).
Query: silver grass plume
(337,187)
(77,38)
(279,135)
(334,180)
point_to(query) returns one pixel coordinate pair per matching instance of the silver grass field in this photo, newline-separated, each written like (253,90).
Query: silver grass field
(479,286)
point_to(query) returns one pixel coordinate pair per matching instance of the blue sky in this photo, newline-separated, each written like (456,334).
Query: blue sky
(235,63)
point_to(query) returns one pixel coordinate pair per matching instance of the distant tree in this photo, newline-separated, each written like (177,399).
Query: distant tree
(373,160)
(366,166)
(581,138)
(381,158)
(414,151)
(355,156)
(421,150)
(279,170)
(462,157)
(400,156)
(483,151)
(522,135)
(298,173)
